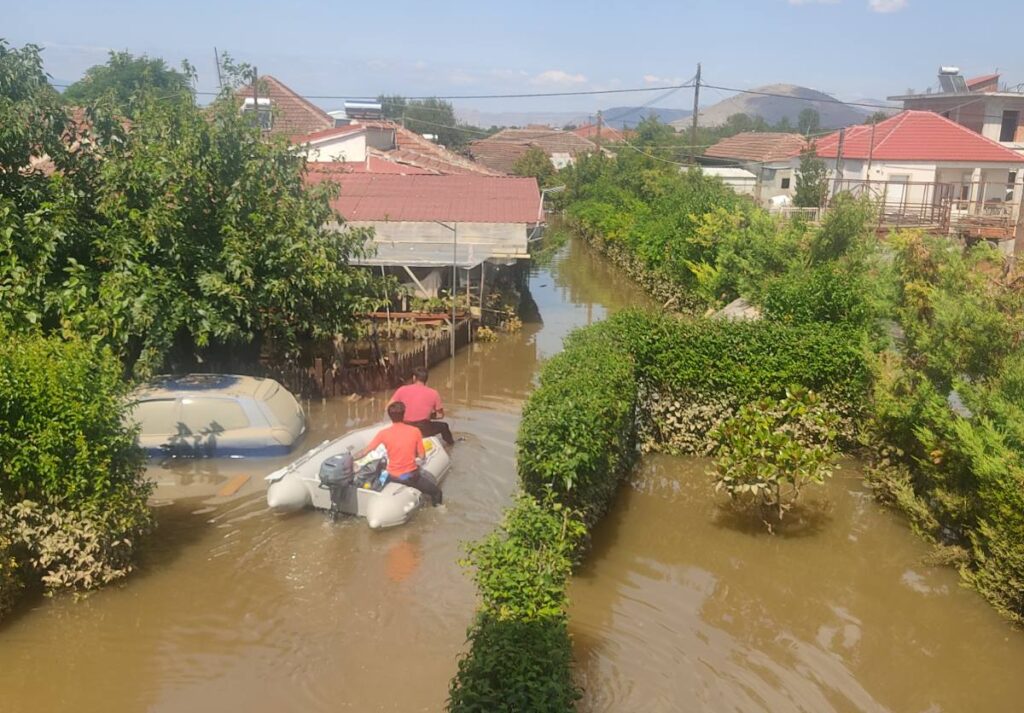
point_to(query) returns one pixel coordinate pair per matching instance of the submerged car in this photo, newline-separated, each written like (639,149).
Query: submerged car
(216,415)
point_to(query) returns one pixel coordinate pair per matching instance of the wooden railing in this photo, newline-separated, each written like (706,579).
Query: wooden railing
(326,379)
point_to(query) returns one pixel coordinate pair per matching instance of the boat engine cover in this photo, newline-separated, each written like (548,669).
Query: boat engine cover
(337,471)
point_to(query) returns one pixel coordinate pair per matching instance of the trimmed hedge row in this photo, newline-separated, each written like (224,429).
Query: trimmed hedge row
(576,443)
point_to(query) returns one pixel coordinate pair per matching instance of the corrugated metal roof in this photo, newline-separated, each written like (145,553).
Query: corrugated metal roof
(917,136)
(463,198)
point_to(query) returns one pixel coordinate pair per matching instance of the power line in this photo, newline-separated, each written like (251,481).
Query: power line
(450,97)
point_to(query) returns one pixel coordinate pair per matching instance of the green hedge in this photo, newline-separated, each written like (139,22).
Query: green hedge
(72,487)
(577,435)
(744,360)
(576,441)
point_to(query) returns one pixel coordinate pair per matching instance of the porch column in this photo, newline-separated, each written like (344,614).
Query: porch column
(977,192)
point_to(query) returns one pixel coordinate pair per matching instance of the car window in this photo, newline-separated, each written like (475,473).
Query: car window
(157,417)
(285,408)
(203,414)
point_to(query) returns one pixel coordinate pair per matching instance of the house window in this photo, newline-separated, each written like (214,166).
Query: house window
(260,108)
(785,183)
(1008,131)
(1011,179)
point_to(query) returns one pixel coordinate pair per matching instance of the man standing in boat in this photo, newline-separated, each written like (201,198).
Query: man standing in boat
(422,405)
(404,445)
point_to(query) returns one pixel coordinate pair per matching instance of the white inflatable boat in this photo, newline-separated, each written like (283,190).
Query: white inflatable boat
(327,478)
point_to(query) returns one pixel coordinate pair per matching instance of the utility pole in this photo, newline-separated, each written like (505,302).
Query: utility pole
(839,161)
(455,283)
(696,103)
(216,62)
(871,150)
(598,127)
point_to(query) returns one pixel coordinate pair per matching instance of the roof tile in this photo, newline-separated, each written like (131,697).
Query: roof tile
(917,136)
(423,198)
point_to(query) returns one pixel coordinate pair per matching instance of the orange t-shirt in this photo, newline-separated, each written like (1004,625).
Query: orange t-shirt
(403,443)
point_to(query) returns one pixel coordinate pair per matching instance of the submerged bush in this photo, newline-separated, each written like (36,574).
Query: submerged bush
(71,477)
(770,450)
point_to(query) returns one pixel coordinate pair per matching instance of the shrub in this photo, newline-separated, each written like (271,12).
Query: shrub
(770,450)
(578,436)
(827,293)
(71,477)
(745,360)
(516,666)
(520,652)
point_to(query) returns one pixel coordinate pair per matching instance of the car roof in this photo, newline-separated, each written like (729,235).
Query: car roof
(223,385)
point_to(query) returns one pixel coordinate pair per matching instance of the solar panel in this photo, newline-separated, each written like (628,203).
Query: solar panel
(952,83)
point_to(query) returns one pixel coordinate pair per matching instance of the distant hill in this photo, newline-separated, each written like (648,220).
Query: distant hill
(791,100)
(620,117)
(627,117)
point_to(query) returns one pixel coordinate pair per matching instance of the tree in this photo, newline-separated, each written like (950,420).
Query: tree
(877,117)
(124,78)
(770,450)
(430,116)
(811,181)
(535,163)
(181,237)
(808,122)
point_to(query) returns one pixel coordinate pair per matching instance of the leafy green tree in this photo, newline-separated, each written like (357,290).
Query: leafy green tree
(182,237)
(770,450)
(431,116)
(124,78)
(877,117)
(808,122)
(535,163)
(37,187)
(811,181)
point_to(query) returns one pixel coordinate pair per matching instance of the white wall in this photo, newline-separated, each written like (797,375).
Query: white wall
(349,147)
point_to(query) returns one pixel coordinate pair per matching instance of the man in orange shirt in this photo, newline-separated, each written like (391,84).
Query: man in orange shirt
(404,444)
(422,405)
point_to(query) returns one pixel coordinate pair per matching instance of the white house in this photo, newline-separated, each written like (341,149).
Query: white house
(922,167)
(765,154)
(340,143)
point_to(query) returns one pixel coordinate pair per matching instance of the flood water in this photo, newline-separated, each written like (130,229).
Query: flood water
(678,608)
(234,608)
(681,606)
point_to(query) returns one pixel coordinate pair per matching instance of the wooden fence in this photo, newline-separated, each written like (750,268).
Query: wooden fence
(324,379)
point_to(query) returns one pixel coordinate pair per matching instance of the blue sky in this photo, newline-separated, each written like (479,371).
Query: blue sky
(850,48)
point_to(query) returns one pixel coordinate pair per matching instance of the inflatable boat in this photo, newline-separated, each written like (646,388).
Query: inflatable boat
(327,478)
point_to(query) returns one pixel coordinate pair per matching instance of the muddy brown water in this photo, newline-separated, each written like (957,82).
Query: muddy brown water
(677,607)
(682,606)
(236,609)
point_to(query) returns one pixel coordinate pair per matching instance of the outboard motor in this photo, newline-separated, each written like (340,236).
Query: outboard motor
(336,474)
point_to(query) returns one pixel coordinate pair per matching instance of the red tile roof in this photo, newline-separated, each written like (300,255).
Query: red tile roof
(501,151)
(975,84)
(758,146)
(917,136)
(608,134)
(321,170)
(293,115)
(413,150)
(422,198)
